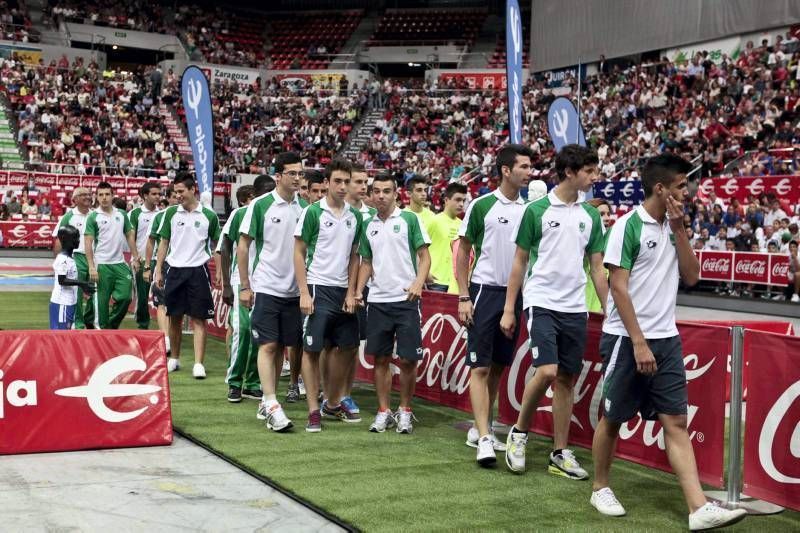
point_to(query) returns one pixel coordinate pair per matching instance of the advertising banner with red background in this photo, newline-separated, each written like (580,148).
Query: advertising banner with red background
(24,234)
(76,390)
(784,187)
(744,267)
(476,80)
(772,420)
(45,180)
(443,377)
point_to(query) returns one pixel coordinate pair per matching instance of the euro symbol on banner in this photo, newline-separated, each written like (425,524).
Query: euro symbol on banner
(561,124)
(195,94)
(100,387)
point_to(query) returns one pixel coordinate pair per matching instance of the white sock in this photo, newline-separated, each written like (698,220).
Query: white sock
(270,400)
(166,341)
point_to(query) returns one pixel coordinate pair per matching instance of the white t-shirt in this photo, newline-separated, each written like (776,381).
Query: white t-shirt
(64,265)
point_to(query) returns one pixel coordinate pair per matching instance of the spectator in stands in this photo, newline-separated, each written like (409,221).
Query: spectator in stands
(44,207)
(775,212)
(14,207)
(4,214)
(792,291)
(30,208)
(745,240)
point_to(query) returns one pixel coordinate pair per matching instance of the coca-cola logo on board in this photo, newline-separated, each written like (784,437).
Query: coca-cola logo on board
(716,265)
(751,266)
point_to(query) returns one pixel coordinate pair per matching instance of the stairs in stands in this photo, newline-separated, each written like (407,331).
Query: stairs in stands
(176,132)
(10,155)
(361,135)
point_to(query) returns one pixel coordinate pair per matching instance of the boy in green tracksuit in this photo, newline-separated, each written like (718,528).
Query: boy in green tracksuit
(140,218)
(76,217)
(107,231)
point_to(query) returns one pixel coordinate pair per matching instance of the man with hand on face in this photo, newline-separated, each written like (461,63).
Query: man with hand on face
(553,236)
(141,217)
(107,231)
(326,266)
(643,371)
(76,217)
(394,253)
(268,283)
(188,231)
(487,227)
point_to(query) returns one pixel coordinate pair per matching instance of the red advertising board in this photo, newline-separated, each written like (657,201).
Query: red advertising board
(19,179)
(784,187)
(19,234)
(772,419)
(76,390)
(744,267)
(476,80)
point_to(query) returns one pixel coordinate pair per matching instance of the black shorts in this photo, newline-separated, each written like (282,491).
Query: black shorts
(486,342)
(158,293)
(390,321)
(276,319)
(361,314)
(187,291)
(329,325)
(557,338)
(626,391)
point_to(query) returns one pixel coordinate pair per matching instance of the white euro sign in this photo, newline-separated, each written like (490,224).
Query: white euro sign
(561,124)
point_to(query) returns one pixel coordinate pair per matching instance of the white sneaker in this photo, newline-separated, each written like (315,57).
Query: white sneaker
(277,420)
(795,298)
(712,516)
(199,371)
(515,451)
(606,503)
(383,421)
(285,370)
(403,419)
(261,414)
(302,386)
(565,464)
(486,455)
(173,365)
(473,436)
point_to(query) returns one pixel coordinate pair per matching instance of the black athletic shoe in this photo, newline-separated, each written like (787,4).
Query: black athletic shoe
(234,394)
(252,394)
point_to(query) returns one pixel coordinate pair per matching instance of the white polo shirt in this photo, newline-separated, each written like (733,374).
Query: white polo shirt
(141,217)
(110,232)
(64,265)
(558,236)
(231,230)
(638,243)
(77,220)
(190,234)
(392,247)
(329,240)
(488,224)
(270,221)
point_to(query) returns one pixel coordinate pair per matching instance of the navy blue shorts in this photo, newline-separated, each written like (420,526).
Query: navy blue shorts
(626,391)
(187,291)
(62,316)
(486,342)
(276,319)
(557,338)
(329,325)
(392,322)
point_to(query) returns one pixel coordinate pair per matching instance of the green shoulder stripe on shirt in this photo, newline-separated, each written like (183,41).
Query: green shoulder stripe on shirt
(214,230)
(91,225)
(359,225)
(310,230)
(476,225)
(156,223)
(134,217)
(165,229)
(415,238)
(126,222)
(364,248)
(529,234)
(65,220)
(631,241)
(596,242)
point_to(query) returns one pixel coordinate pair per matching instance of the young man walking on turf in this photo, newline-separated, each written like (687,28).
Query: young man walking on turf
(443,230)
(326,266)
(187,232)
(107,231)
(141,217)
(394,254)
(76,217)
(487,228)
(268,284)
(242,375)
(553,236)
(356,197)
(151,251)
(647,253)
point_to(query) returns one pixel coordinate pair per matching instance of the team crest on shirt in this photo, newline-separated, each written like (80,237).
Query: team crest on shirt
(582,226)
(196,223)
(349,224)
(397,228)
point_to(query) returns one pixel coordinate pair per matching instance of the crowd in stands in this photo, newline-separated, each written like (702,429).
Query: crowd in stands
(15,23)
(138,15)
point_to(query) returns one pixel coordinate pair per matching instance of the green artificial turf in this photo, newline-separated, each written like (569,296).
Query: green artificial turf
(427,481)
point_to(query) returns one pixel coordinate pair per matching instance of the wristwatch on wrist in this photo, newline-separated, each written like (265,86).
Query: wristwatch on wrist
(464,299)
(244,289)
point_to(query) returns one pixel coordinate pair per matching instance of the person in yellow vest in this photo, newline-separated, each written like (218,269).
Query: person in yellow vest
(443,230)
(592,301)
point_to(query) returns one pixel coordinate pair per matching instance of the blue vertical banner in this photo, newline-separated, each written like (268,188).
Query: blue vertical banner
(514,70)
(197,106)
(563,124)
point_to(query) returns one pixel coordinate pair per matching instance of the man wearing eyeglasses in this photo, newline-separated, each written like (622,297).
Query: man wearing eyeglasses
(82,198)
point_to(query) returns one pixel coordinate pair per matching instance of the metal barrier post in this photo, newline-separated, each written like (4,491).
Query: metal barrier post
(733,497)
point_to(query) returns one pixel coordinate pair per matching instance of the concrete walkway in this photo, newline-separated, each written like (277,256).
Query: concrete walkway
(168,488)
